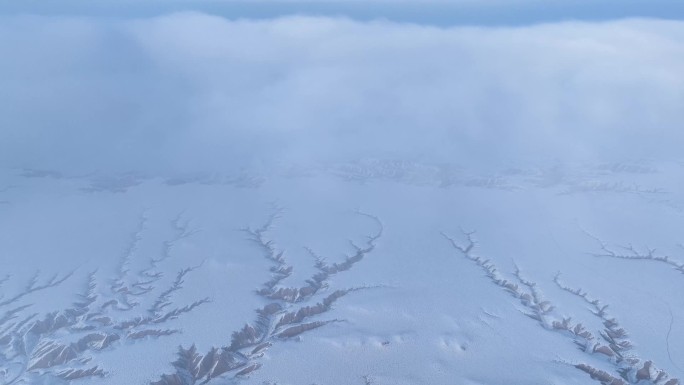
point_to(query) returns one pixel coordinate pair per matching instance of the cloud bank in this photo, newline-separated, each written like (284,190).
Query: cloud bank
(189,92)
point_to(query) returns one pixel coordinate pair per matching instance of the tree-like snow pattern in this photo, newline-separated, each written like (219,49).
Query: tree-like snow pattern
(612,343)
(59,345)
(289,313)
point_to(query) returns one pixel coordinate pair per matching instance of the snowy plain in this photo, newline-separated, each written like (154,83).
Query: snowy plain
(420,312)
(188,198)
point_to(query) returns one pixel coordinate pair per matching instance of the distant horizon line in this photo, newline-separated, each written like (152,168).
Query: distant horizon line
(436,13)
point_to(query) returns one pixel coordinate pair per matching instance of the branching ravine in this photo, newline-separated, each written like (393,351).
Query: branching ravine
(290,312)
(34,286)
(613,345)
(667,339)
(61,345)
(613,334)
(631,253)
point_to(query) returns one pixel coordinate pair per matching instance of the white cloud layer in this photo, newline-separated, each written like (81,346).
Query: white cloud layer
(188,92)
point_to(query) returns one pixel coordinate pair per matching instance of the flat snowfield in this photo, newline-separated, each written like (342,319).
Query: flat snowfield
(382,272)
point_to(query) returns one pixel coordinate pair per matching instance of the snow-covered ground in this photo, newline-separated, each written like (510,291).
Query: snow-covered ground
(375,271)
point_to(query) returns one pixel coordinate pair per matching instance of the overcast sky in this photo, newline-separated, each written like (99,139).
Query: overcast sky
(161,89)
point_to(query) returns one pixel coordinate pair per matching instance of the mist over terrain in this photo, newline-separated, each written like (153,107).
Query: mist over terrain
(341,193)
(190,91)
